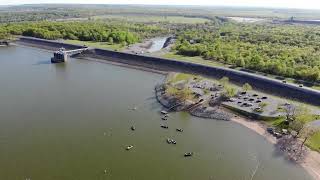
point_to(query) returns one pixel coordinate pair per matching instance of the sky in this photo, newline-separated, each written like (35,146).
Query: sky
(300,4)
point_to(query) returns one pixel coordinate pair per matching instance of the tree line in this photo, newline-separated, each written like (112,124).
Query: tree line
(112,32)
(286,50)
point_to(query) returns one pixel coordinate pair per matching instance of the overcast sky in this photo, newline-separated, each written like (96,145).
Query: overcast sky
(305,4)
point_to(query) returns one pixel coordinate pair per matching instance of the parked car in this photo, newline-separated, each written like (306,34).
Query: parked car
(270,130)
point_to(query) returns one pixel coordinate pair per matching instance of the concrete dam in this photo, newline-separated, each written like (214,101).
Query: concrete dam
(261,83)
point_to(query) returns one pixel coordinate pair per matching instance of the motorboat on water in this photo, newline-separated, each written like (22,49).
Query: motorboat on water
(133,128)
(129,147)
(171,141)
(188,154)
(164,112)
(164,126)
(179,130)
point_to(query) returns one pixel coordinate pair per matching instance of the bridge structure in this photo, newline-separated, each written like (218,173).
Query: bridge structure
(62,54)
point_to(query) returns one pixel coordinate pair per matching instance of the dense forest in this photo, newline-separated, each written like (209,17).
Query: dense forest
(37,16)
(286,50)
(3,34)
(112,32)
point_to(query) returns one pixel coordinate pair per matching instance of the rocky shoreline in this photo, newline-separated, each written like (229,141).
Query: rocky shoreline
(171,104)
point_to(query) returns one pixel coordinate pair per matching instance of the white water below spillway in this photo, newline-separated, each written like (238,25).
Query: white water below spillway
(157,44)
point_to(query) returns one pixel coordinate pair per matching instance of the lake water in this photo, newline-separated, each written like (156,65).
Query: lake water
(72,121)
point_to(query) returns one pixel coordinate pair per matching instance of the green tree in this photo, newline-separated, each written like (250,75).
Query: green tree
(307,132)
(298,117)
(262,105)
(110,40)
(224,81)
(229,92)
(246,87)
(184,94)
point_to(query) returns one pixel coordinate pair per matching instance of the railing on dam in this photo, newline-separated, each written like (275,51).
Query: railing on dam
(259,82)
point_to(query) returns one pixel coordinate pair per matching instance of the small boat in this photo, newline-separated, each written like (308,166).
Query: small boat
(133,128)
(179,130)
(164,118)
(171,141)
(164,112)
(164,126)
(129,147)
(188,154)
(133,109)
(166,115)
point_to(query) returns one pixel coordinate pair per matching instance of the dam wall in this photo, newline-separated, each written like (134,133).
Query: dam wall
(258,82)
(54,45)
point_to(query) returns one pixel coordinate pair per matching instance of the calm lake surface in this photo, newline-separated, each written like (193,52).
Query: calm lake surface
(71,122)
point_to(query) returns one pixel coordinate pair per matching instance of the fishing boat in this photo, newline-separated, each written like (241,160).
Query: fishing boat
(133,128)
(171,141)
(129,147)
(164,126)
(179,130)
(164,112)
(188,154)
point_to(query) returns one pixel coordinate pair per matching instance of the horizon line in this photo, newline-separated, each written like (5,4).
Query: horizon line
(202,5)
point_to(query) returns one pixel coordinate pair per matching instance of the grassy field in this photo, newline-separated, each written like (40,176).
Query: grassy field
(182,76)
(195,59)
(140,18)
(314,142)
(176,77)
(103,45)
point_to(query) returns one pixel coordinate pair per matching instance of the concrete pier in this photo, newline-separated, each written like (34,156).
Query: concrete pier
(62,55)
(59,56)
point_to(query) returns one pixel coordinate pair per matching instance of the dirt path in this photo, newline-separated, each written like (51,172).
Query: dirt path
(312,160)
